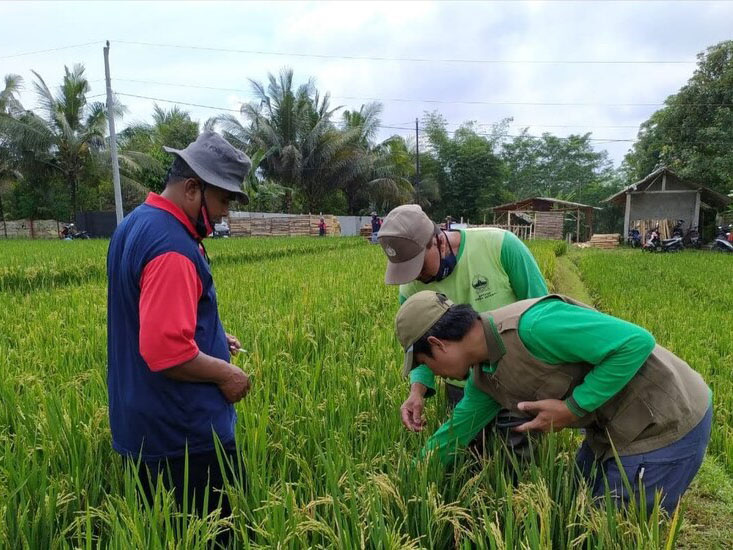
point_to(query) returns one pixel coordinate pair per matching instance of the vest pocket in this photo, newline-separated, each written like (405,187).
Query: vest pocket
(632,418)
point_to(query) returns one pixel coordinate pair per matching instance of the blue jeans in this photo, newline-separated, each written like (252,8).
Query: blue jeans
(669,469)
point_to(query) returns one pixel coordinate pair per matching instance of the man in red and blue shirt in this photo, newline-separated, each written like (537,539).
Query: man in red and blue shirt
(171,385)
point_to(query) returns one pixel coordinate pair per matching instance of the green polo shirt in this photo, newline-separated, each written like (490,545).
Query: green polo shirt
(494,269)
(556,332)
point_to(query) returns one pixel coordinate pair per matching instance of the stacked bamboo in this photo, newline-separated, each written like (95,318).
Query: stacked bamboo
(665,228)
(282,226)
(608,240)
(548,225)
(279,227)
(241,227)
(366,231)
(300,225)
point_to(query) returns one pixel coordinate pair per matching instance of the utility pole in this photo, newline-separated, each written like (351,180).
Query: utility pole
(113,138)
(417,162)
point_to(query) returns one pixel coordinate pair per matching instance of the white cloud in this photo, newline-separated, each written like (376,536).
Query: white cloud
(518,31)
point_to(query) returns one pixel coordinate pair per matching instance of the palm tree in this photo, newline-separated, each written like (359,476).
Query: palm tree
(382,179)
(9,101)
(10,106)
(69,132)
(303,148)
(143,159)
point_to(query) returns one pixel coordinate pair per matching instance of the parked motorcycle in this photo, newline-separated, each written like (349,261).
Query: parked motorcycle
(70,232)
(692,239)
(655,244)
(723,239)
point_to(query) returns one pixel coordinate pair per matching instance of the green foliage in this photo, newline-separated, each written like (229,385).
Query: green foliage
(684,300)
(59,152)
(328,463)
(693,133)
(468,173)
(312,158)
(144,144)
(566,168)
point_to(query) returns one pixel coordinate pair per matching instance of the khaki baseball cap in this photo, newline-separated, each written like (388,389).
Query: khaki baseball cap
(417,316)
(404,236)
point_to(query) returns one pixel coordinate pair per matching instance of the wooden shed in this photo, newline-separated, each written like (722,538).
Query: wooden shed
(663,195)
(546,216)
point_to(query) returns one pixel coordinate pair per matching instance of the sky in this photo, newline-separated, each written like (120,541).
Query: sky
(558,67)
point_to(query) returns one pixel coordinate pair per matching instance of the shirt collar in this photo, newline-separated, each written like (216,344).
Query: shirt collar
(494,343)
(160,202)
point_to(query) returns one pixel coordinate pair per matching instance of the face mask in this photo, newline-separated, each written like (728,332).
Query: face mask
(203,225)
(447,264)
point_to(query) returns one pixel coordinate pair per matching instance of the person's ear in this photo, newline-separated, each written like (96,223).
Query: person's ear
(436,344)
(192,189)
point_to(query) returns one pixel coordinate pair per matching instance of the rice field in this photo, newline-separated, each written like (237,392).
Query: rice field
(327,461)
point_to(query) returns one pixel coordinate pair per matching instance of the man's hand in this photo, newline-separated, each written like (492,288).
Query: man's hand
(233,344)
(412,409)
(234,384)
(551,415)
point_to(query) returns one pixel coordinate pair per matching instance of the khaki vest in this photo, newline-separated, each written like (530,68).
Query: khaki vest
(661,403)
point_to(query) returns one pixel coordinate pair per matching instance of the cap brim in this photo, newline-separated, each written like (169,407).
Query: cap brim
(404,272)
(408,364)
(209,177)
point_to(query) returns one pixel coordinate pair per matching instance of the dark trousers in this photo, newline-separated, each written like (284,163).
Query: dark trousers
(205,478)
(669,469)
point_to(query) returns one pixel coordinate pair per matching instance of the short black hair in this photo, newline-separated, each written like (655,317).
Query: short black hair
(179,170)
(453,326)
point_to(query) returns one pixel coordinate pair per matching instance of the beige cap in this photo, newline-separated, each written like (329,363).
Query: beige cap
(416,317)
(404,235)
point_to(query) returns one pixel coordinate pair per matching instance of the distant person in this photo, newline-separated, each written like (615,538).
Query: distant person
(322,227)
(171,384)
(563,364)
(376,225)
(487,268)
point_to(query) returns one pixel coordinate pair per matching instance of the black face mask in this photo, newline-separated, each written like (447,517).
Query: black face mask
(203,225)
(447,263)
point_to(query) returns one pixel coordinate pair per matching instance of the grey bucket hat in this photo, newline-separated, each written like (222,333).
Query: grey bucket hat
(217,163)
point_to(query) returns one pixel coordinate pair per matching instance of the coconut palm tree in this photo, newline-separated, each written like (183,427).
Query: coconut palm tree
(69,131)
(10,106)
(382,180)
(304,150)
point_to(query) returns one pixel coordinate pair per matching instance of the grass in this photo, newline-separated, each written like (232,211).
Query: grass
(328,463)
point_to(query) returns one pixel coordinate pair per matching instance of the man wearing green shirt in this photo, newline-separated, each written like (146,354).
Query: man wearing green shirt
(564,364)
(487,268)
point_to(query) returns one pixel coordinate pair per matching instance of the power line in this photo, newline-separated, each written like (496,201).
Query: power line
(51,49)
(609,140)
(415,59)
(178,102)
(397,127)
(436,101)
(386,126)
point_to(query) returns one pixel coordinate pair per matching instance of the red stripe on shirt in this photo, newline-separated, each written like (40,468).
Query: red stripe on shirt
(170,289)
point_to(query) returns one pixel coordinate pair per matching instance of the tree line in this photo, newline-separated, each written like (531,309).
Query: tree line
(313,156)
